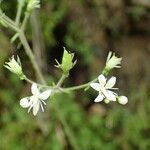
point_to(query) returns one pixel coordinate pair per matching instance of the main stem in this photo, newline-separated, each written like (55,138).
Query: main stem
(31,56)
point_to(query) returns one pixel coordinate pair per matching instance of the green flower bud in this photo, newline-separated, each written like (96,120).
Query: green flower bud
(67,62)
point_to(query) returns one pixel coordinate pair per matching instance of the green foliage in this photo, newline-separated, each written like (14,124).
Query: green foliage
(137,12)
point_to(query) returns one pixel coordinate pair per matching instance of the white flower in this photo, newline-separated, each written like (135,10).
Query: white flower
(33,4)
(113,61)
(104,88)
(14,66)
(35,101)
(123,100)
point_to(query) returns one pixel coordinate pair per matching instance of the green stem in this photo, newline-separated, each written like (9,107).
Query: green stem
(19,12)
(23,26)
(40,85)
(104,72)
(78,86)
(61,80)
(8,22)
(31,56)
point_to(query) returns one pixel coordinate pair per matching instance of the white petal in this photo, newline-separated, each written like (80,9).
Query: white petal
(99,98)
(123,100)
(111,82)
(35,104)
(34,89)
(109,55)
(25,103)
(36,107)
(102,80)
(44,95)
(41,106)
(109,95)
(95,86)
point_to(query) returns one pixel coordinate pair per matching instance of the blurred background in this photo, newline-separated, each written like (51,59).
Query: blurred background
(90,29)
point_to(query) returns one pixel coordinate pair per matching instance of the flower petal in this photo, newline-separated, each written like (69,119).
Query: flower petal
(36,107)
(34,89)
(95,86)
(109,55)
(99,98)
(44,95)
(109,95)
(102,80)
(35,104)
(25,103)
(111,82)
(42,106)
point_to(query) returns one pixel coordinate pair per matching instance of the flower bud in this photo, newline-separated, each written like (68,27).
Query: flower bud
(67,62)
(33,4)
(14,66)
(112,61)
(123,100)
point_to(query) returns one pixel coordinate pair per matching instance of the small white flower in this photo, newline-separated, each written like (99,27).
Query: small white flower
(113,61)
(33,4)
(123,100)
(104,88)
(35,101)
(14,66)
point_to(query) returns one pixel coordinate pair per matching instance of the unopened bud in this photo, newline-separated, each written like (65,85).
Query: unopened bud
(123,100)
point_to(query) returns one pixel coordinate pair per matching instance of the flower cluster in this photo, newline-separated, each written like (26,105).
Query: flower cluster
(35,101)
(105,88)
